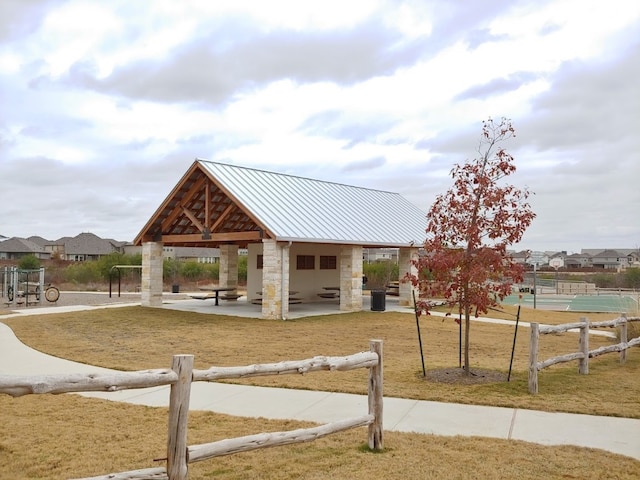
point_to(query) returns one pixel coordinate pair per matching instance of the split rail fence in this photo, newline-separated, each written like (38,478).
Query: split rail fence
(180,377)
(583,354)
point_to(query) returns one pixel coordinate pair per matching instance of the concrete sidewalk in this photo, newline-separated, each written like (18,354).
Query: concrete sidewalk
(617,435)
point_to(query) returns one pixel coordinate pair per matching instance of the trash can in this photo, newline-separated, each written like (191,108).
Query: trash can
(378,300)
(175,288)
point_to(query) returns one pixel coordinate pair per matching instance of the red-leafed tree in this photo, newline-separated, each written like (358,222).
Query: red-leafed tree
(470,227)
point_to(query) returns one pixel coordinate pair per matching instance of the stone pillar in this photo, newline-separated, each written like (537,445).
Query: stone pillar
(228,273)
(406,256)
(351,278)
(151,274)
(275,280)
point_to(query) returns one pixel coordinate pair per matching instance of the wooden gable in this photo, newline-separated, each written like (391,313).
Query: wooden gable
(199,212)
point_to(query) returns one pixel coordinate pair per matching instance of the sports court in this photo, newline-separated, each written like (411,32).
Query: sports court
(614,303)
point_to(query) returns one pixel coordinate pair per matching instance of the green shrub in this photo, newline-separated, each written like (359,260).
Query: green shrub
(29,262)
(379,274)
(170,270)
(633,330)
(82,273)
(212,271)
(192,270)
(604,280)
(106,263)
(632,277)
(242,268)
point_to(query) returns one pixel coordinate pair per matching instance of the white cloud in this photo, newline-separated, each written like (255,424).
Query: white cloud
(105,105)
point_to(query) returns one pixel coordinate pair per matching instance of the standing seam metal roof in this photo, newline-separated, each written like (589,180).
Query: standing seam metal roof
(306,210)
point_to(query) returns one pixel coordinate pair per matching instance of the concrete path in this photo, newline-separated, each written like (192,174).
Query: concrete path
(618,435)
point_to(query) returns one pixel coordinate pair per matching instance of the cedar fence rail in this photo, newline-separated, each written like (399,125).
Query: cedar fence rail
(180,377)
(583,354)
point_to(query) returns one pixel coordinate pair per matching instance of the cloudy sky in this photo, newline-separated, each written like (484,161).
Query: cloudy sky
(105,104)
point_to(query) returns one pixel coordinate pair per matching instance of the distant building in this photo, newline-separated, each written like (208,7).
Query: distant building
(85,246)
(610,260)
(521,258)
(185,254)
(577,260)
(15,248)
(371,255)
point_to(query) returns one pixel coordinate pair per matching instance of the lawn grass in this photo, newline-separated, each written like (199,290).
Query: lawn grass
(67,436)
(137,338)
(55,437)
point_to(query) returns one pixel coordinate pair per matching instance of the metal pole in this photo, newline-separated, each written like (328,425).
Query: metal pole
(415,310)
(460,339)
(513,348)
(26,290)
(40,300)
(535,289)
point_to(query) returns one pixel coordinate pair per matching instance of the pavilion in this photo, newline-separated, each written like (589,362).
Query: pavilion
(304,237)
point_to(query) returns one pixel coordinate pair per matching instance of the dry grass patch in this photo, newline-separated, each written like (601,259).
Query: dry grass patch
(68,436)
(138,338)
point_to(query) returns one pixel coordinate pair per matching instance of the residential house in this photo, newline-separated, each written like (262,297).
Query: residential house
(538,258)
(85,246)
(522,257)
(15,248)
(633,258)
(577,260)
(610,259)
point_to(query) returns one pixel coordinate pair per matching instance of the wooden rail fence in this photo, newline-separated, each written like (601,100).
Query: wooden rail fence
(583,354)
(180,377)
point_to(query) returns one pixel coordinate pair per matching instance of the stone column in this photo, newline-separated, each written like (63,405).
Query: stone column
(228,273)
(351,278)
(405,266)
(151,274)
(275,280)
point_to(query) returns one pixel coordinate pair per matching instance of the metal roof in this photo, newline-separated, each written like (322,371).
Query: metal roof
(305,210)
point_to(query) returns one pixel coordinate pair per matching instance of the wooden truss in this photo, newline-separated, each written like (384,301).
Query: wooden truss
(199,212)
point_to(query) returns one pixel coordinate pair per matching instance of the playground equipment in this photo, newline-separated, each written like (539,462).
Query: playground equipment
(118,269)
(26,287)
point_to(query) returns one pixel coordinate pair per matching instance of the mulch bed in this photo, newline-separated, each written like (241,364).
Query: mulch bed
(459,376)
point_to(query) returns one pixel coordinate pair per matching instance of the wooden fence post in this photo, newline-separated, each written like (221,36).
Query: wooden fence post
(533,358)
(583,363)
(177,468)
(623,338)
(376,441)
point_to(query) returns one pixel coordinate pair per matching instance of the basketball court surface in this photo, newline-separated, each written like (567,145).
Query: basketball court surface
(614,303)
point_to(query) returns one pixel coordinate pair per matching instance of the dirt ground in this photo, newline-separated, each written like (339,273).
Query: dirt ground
(69,298)
(459,376)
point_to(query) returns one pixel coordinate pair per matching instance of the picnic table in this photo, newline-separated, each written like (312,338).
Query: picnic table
(217,291)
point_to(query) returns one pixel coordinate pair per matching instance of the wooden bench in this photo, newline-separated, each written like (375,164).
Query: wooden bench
(292,300)
(205,296)
(230,296)
(328,295)
(393,289)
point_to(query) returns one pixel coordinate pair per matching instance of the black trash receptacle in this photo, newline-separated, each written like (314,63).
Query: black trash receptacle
(175,288)
(378,300)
